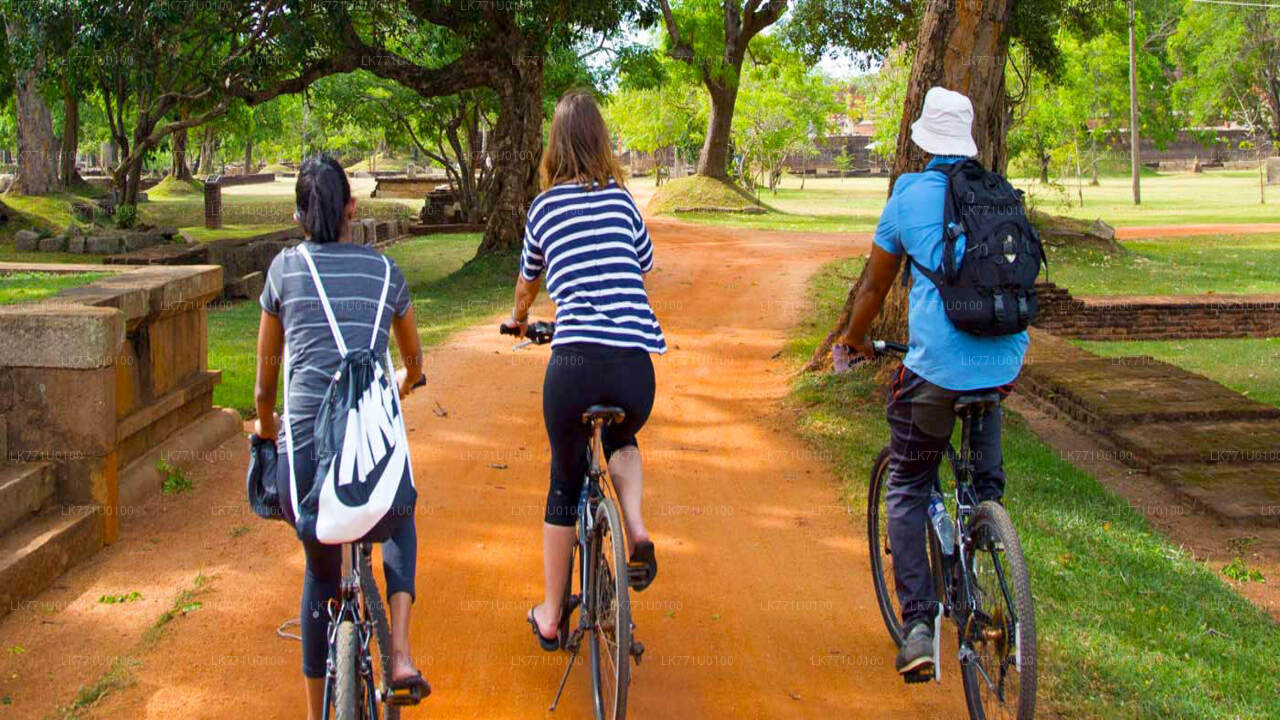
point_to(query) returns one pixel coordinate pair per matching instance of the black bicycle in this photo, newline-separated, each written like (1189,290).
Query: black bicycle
(980,577)
(358,618)
(603,574)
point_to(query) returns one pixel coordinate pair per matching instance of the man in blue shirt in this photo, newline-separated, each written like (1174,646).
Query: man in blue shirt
(942,363)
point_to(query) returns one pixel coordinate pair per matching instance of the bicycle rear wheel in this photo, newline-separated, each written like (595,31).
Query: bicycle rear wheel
(882,553)
(610,613)
(347,702)
(1000,674)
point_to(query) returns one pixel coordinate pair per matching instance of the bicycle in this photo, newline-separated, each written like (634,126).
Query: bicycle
(356,618)
(981,580)
(603,600)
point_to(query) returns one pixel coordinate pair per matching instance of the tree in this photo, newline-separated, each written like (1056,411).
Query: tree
(712,38)
(37,160)
(783,105)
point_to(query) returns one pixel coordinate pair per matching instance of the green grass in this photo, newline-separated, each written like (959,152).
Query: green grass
(381,163)
(450,292)
(697,191)
(171,187)
(250,209)
(28,286)
(854,204)
(1130,626)
(1226,264)
(1247,365)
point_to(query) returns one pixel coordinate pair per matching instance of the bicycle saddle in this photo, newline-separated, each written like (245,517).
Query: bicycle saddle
(982,401)
(608,413)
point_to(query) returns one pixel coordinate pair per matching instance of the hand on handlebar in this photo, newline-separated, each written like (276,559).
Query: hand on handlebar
(845,357)
(511,326)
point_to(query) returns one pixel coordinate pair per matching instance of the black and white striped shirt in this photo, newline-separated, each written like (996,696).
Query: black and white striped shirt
(595,249)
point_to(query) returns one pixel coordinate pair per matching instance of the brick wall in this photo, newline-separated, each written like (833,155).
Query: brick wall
(1170,317)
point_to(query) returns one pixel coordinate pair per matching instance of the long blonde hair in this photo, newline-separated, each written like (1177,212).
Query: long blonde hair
(578,149)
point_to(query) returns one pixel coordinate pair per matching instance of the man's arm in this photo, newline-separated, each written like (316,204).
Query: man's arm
(882,269)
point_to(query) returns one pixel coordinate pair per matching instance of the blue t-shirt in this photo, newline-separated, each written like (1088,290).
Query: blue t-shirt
(945,356)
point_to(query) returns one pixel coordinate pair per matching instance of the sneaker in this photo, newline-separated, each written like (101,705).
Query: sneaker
(916,654)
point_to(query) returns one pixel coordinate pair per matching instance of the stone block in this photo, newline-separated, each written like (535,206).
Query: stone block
(1273,171)
(59,414)
(59,336)
(385,232)
(26,240)
(357,233)
(103,244)
(52,244)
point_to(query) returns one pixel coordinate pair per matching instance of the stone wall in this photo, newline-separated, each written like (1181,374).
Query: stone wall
(1170,317)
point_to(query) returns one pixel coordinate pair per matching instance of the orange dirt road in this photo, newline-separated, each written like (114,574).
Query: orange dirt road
(763,606)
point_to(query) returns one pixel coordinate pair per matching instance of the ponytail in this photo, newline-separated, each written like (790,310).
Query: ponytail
(321,196)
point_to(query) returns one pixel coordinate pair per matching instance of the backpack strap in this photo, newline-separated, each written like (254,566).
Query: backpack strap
(377,319)
(324,300)
(287,428)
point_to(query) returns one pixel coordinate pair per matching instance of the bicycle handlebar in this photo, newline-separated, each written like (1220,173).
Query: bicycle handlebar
(538,333)
(883,346)
(844,359)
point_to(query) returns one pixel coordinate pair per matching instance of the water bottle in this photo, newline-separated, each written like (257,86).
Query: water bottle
(942,523)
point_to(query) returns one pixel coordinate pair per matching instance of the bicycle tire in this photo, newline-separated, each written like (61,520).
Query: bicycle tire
(881,553)
(346,682)
(990,524)
(610,614)
(377,614)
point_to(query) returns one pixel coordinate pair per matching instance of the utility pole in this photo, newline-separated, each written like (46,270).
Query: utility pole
(1133,109)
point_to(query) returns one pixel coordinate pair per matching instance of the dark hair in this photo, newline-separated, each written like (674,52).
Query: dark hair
(321,195)
(578,147)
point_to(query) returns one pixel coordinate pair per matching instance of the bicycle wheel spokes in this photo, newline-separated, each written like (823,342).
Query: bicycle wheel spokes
(1000,676)
(611,614)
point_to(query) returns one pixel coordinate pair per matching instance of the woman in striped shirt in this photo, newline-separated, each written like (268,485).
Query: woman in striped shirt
(586,238)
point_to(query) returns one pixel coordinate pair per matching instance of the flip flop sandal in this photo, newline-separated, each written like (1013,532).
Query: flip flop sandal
(642,568)
(549,645)
(408,691)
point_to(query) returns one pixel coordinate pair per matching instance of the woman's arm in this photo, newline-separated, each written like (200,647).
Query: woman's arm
(526,293)
(410,343)
(270,352)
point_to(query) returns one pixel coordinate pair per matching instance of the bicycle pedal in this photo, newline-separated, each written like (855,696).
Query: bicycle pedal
(404,697)
(919,675)
(637,650)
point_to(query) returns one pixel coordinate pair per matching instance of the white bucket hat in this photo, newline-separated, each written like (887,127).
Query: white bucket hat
(945,126)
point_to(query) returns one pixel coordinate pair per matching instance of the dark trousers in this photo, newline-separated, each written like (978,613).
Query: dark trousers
(921,418)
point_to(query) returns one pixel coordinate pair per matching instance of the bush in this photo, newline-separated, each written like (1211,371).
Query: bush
(126,216)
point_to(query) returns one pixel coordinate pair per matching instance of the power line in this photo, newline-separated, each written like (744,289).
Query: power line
(1238,3)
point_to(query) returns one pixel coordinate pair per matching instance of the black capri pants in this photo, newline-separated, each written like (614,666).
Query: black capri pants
(580,375)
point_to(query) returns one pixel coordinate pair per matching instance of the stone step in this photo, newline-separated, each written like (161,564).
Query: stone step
(1235,494)
(36,552)
(166,254)
(1210,442)
(26,488)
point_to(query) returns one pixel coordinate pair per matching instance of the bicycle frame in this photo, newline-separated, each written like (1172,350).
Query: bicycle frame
(961,607)
(592,491)
(350,605)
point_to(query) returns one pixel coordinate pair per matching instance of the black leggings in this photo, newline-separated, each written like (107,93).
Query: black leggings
(324,571)
(578,376)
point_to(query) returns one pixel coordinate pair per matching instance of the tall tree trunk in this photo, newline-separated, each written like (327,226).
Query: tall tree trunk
(206,151)
(37,159)
(516,150)
(248,157)
(179,169)
(961,45)
(713,160)
(70,145)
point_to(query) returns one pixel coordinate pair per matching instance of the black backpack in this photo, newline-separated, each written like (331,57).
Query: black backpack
(993,292)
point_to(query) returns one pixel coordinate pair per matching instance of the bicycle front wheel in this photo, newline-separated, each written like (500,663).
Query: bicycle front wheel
(882,552)
(346,691)
(610,613)
(1000,672)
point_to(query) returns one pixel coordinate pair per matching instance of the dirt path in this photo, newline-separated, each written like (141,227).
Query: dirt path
(1154,231)
(763,608)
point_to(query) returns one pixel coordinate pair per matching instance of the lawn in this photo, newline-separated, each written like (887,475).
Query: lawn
(27,286)
(1247,365)
(1129,625)
(1226,264)
(449,292)
(854,204)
